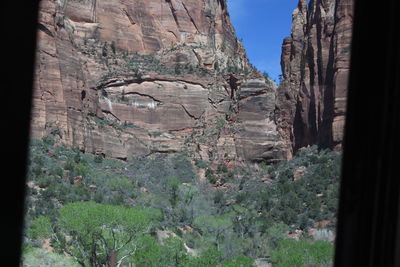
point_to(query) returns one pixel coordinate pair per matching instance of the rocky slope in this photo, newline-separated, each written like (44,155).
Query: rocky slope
(315,65)
(136,77)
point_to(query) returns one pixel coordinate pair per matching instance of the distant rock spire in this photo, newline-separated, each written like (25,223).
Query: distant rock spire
(299,20)
(302,6)
(315,67)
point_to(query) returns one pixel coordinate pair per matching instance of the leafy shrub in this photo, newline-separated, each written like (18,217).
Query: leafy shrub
(69,165)
(216,227)
(40,228)
(302,253)
(80,169)
(242,197)
(210,176)
(208,258)
(34,257)
(220,123)
(201,164)
(219,198)
(44,181)
(276,233)
(239,261)
(98,159)
(48,140)
(173,186)
(151,253)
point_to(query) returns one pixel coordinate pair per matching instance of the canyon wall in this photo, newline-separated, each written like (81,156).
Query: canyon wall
(127,78)
(311,101)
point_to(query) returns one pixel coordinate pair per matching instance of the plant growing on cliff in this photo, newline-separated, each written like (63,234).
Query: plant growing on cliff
(220,123)
(268,79)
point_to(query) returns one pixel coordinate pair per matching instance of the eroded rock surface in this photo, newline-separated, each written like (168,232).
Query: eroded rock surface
(137,77)
(315,66)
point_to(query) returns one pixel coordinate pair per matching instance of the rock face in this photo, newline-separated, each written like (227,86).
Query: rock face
(136,77)
(315,65)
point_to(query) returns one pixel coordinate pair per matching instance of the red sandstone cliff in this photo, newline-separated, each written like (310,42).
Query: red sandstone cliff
(135,77)
(315,66)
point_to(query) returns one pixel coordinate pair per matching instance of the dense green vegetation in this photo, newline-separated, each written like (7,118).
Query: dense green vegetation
(155,211)
(302,253)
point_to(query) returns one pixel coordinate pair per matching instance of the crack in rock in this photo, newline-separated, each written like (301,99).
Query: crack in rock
(159,102)
(191,115)
(129,17)
(44,29)
(173,11)
(190,17)
(252,94)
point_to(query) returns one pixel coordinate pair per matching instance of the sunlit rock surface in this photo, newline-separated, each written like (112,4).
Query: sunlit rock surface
(315,66)
(132,78)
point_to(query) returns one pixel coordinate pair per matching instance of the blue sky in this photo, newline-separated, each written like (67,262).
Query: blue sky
(262,25)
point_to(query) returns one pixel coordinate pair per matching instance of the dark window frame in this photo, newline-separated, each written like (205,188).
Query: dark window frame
(368,224)
(367,230)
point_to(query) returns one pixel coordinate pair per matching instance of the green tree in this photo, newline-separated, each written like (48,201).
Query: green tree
(214,226)
(290,253)
(239,261)
(148,252)
(173,186)
(95,234)
(152,254)
(208,258)
(276,233)
(40,228)
(266,75)
(173,252)
(81,169)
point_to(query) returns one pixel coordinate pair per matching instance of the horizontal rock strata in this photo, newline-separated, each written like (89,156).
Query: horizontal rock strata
(137,77)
